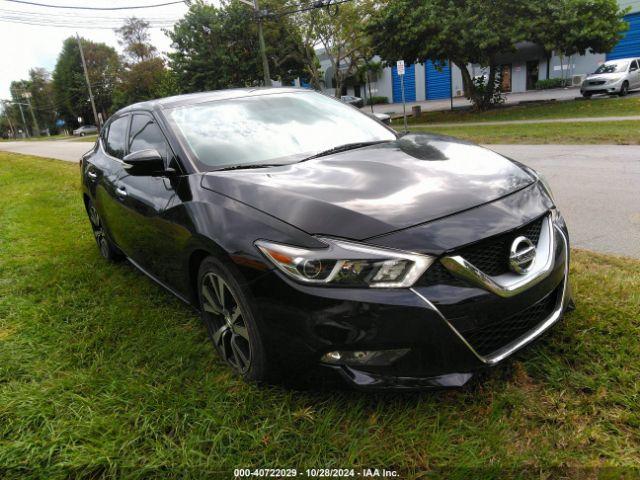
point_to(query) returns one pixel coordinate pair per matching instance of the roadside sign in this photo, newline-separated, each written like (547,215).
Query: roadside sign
(60,122)
(400,68)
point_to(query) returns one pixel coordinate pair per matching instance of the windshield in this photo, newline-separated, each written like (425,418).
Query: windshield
(613,67)
(274,128)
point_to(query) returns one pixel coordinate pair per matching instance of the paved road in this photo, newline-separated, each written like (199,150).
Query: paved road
(69,150)
(596,186)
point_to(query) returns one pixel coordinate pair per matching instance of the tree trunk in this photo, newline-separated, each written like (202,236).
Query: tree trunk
(467,83)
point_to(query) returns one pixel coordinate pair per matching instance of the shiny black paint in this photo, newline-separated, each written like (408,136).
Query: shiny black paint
(422,193)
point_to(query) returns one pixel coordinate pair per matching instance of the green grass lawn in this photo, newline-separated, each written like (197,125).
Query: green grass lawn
(620,133)
(104,374)
(596,107)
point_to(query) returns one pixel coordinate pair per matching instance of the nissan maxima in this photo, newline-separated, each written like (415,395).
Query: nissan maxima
(309,234)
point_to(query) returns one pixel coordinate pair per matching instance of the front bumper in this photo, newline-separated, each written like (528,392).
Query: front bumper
(607,87)
(440,325)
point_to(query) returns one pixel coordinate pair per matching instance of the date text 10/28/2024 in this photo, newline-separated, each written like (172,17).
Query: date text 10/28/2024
(315,473)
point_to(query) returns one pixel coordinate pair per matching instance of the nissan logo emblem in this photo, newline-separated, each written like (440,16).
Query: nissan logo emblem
(522,255)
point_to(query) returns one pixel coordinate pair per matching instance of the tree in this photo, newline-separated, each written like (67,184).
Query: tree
(143,76)
(570,27)
(69,85)
(479,31)
(462,31)
(134,37)
(342,34)
(217,47)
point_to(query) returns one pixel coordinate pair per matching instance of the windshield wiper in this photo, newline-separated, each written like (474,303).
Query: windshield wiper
(246,166)
(344,148)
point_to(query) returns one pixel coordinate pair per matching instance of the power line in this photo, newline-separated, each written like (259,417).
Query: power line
(73,7)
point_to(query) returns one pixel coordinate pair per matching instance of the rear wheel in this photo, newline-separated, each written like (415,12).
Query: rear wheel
(107,249)
(229,314)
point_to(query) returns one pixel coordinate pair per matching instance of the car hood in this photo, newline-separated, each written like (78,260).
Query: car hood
(378,189)
(605,76)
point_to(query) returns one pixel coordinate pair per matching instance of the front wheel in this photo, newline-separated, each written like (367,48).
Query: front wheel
(586,95)
(624,89)
(230,316)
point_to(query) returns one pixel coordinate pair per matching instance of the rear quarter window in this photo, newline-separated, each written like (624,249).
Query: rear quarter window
(116,137)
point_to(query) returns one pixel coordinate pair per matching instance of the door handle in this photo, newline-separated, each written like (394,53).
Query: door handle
(121,191)
(92,175)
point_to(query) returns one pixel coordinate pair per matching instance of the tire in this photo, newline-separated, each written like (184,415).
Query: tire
(624,89)
(106,247)
(587,95)
(231,319)
(82,134)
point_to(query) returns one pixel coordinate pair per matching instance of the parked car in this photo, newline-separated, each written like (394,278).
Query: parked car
(615,77)
(351,100)
(310,235)
(382,117)
(85,130)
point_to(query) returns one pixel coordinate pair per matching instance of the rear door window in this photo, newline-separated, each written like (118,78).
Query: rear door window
(116,137)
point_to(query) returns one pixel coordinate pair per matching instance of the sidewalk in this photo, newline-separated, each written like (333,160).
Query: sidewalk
(533,120)
(558,94)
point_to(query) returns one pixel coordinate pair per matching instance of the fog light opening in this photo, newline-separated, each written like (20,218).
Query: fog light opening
(372,358)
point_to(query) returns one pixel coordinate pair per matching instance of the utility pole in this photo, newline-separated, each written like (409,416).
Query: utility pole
(86,77)
(263,48)
(24,122)
(27,95)
(6,112)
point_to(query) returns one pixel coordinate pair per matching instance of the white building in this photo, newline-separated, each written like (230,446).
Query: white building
(520,70)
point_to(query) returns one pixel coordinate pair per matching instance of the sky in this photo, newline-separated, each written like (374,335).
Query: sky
(24,46)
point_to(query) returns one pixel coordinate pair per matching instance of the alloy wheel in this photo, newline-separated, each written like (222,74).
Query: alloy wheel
(98,231)
(225,322)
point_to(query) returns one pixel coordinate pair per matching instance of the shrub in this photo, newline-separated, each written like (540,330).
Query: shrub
(484,95)
(377,100)
(550,83)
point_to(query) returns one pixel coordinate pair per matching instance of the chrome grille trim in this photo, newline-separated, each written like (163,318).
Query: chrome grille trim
(507,350)
(509,284)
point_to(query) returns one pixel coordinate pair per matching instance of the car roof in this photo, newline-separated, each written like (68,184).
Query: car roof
(201,97)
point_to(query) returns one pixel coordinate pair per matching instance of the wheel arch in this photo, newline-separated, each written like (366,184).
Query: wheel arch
(196,257)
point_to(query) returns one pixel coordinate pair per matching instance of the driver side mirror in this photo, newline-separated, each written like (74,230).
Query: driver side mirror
(145,161)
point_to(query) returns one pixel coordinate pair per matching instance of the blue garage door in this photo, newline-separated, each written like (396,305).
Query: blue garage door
(629,46)
(409,84)
(437,82)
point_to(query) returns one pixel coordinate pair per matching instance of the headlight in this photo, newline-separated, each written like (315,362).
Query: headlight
(347,264)
(545,185)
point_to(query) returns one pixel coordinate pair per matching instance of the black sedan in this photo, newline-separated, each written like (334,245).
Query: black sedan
(309,234)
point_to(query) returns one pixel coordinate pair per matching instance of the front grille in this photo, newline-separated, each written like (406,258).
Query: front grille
(494,334)
(439,275)
(490,255)
(597,82)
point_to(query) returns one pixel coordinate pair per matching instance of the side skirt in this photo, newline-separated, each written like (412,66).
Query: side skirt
(161,283)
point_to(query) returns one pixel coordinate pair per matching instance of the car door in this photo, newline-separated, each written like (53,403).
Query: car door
(103,171)
(149,233)
(634,75)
